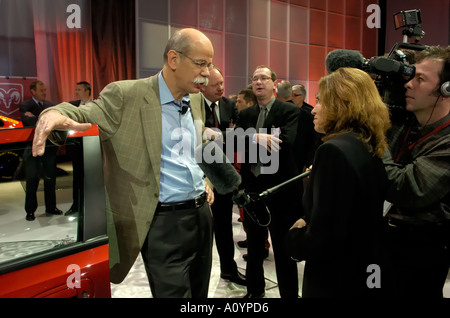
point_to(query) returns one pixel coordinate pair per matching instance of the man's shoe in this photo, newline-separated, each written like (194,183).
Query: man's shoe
(71,211)
(55,211)
(236,277)
(30,217)
(242,244)
(250,295)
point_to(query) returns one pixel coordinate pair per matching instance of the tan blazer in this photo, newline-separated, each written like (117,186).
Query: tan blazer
(128,114)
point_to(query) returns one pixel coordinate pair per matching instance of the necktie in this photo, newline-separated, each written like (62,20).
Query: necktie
(256,167)
(216,121)
(41,107)
(261,118)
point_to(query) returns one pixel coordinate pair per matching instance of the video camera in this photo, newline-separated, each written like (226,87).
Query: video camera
(397,68)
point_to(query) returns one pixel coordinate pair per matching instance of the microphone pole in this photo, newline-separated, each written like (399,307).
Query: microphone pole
(247,201)
(279,187)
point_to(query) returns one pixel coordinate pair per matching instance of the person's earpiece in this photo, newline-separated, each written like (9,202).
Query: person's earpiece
(445,89)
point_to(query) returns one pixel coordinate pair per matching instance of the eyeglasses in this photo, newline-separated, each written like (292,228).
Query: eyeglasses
(200,63)
(261,78)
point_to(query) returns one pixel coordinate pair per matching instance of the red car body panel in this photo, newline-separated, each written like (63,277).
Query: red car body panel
(50,279)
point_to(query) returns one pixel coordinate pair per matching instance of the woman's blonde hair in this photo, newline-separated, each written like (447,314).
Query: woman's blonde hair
(351,103)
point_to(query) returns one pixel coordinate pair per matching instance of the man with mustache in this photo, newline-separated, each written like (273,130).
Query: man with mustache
(157,198)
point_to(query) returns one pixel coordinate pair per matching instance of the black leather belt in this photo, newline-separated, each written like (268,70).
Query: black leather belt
(183,205)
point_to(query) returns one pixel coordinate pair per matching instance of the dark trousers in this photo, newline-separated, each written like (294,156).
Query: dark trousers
(418,259)
(178,253)
(34,168)
(286,268)
(222,210)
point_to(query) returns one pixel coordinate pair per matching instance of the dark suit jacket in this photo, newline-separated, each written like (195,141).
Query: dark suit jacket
(32,107)
(228,113)
(307,139)
(344,210)
(75,102)
(284,116)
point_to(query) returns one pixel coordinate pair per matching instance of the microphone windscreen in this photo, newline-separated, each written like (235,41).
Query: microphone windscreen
(217,167)
(343,58)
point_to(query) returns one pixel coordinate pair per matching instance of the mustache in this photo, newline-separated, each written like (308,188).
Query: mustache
(201,80)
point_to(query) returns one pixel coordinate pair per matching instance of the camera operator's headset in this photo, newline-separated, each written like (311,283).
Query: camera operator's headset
(445,87)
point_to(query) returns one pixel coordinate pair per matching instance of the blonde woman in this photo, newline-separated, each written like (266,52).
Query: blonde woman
(339,235)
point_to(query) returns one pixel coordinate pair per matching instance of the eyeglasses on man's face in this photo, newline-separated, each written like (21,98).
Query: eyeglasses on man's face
(262,78)
(200,63)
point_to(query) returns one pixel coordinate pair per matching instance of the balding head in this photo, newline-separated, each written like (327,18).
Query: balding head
(184,40)
(187,60)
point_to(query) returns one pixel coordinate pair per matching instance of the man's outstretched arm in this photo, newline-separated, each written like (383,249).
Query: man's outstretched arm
(49,121)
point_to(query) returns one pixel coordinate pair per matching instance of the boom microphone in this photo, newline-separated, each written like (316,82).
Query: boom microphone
(217,168)
(254,204)
(344,58)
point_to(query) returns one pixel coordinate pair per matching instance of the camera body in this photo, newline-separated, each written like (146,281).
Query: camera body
(392,73)
(395,69)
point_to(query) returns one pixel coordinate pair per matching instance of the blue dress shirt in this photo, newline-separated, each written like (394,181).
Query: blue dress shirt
(181,177)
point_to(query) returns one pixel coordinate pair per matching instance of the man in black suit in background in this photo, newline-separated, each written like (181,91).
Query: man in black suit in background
(225,108)
(221,113)
(29,111)
(308,140)
(299,96)
(280,124)
(83,93)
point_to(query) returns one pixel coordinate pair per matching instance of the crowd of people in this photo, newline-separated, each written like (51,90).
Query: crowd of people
(160,204)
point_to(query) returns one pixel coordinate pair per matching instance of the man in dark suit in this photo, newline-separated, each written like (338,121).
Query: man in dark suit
(83,94)
(29,111)
(308,140)
(221,113)
(298,97)
(280,123)
(224,114)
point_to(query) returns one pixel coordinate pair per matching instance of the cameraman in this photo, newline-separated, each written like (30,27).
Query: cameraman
(418,168)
